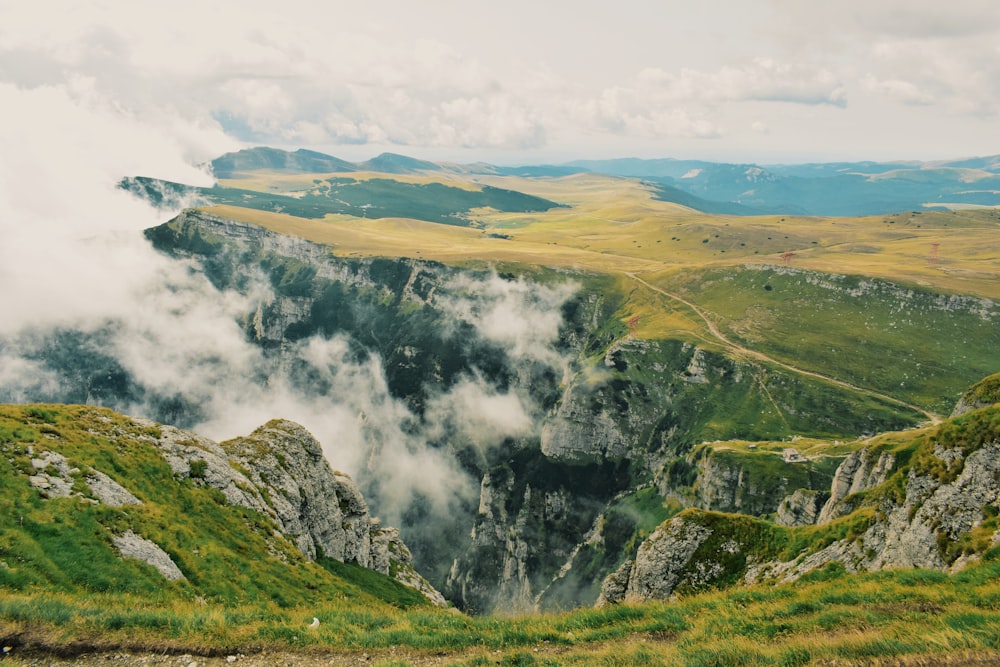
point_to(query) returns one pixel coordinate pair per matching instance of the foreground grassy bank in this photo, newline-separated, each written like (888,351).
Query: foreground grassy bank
(832,616)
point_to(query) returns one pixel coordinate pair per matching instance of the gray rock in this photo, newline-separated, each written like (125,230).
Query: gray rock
(858,472)
(280,471)
(131,545)
(53,479)
(615,585)
(661,564)
(110,492)
(799,509)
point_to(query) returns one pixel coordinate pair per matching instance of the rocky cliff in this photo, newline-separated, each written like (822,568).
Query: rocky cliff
(607,413)
(504,420)
(939,511)
(280,470)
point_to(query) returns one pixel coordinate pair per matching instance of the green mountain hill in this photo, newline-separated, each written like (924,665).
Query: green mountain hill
(98,503)
(274,159)
(372,198)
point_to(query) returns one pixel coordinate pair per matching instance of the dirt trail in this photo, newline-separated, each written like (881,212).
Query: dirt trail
(741,350)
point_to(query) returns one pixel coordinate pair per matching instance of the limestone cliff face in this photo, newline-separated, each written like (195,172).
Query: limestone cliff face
(859,472)
(725,487)
(279,470)
(575,433)
(952,489)
(663,562)
(801,508)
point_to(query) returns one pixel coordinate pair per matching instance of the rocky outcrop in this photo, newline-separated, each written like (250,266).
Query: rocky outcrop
(864,469)
(322,511)
(110,492)
(493,572)
(577,434)
(280,471)
(662,562)
(982,394)
(799,509)
(130,545)
(953,486)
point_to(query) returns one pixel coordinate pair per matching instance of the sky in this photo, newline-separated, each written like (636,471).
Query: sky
(516,82)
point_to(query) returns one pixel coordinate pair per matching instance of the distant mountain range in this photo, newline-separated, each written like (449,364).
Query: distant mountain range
(826,189)
(836,189)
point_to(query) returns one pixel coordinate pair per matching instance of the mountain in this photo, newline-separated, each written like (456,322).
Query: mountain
(98,502)
(274,159)
(829,189)
(393,163)
(530,395)
(618,418)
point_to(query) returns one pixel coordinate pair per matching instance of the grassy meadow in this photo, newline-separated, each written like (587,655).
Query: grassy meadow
(761,282)
(830,617)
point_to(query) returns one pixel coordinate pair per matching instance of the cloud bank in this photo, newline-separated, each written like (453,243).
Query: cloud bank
(573,79)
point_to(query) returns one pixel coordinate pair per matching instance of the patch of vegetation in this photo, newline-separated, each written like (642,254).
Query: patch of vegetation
(908,617)
(366,198)
(844,326)
(63,546)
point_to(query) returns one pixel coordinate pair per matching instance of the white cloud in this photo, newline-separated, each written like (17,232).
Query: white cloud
(522,317)
(578,80)
(902,91)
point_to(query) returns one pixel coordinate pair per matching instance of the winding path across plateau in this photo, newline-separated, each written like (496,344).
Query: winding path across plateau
(744,351)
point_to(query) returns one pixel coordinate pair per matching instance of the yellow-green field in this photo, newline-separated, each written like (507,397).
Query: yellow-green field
(613,225)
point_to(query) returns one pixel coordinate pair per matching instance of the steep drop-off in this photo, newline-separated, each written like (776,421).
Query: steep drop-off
(609,413)
(90,494)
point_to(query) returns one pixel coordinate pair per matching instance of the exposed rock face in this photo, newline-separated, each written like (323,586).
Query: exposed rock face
(662,562)
(322,511)
(575,433)
(131,545)
(493,573)
(859,472)
(110,492)
(943,501)
(52,478)
(279,470)
(727,488)
(799,509)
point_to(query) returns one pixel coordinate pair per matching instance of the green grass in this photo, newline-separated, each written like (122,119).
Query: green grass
(228,554)
(847,326)
(890,615)
(371,198)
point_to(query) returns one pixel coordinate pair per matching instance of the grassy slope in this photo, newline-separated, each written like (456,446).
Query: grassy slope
(62,546)
(60,551)
(616,226)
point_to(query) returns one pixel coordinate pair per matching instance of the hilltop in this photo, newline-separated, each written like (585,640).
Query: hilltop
(824,189)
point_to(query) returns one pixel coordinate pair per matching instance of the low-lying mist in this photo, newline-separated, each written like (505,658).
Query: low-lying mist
(93,314)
